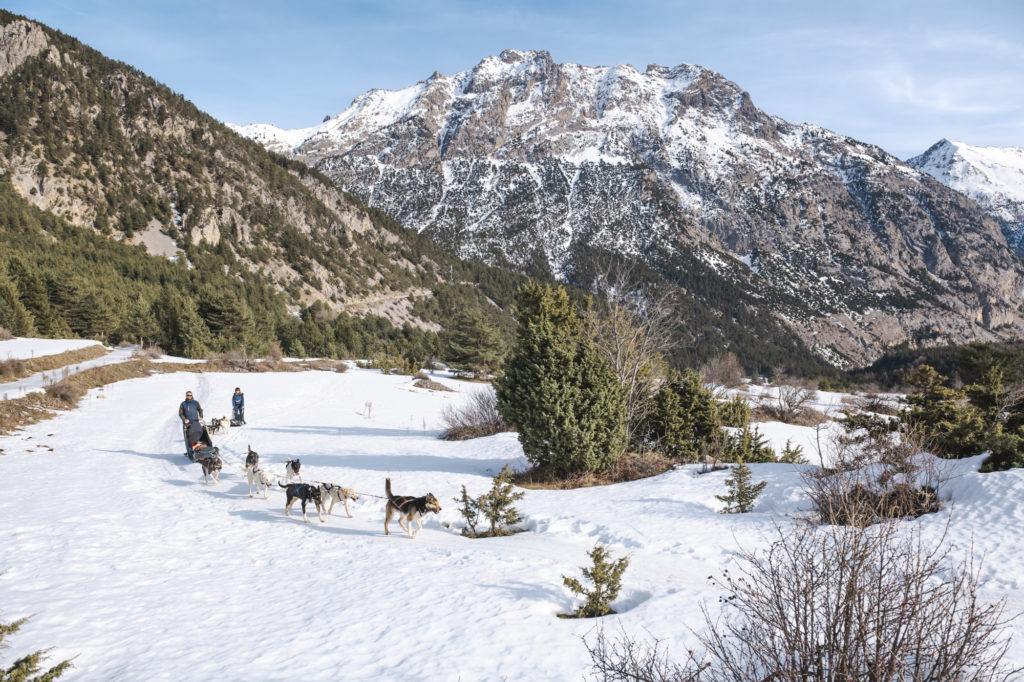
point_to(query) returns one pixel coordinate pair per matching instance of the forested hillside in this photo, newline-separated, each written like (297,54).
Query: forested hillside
(249,247)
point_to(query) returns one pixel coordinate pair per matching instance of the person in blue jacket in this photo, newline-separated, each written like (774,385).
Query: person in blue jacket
(190,412)
(238,406)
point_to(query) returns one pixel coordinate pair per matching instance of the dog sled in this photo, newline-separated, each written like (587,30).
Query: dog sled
(198,442)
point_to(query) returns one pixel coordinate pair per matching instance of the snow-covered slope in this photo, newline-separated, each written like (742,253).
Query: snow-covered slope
(140,571)
(993,176)
(541,165)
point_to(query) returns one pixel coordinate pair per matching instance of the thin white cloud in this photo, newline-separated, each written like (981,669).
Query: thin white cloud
(942,94)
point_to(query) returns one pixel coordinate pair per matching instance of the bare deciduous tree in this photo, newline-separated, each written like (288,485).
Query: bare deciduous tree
(632,334)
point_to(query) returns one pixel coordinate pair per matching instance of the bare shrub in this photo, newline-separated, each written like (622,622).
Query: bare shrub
(421,375)
(725,370)
(5,334)
(150,352)
(13,368)
(430,385)
(65,391)
(790,405)
(476,418)
(837,604)
(876,474)
(274,354)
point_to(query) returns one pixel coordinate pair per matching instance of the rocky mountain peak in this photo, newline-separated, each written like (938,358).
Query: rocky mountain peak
(539,165)
(992,176)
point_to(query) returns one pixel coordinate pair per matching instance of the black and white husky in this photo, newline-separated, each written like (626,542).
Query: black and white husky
(304,492)
(211,468)
(291,470)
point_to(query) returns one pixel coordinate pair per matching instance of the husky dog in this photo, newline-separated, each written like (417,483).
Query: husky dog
(291,470)
(211,467)
(304,492)
(409,508)
(252,458)
(258,478)
(219,425)
(337,494)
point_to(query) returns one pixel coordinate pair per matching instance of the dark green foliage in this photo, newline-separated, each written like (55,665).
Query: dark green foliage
(792,454)
(496,506)
(968,363)
(734,412)
(605,576)
(13,315)
(684,418)
(742,493)
(28,668)
(474,344)
(565,402)
(747,445)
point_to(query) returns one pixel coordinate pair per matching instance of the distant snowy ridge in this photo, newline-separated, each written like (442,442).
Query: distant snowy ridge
(525,162)
(993,176)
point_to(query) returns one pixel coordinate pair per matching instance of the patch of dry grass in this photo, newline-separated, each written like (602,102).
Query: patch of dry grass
(807,416)
(65,391)
(431,385)
(5,335)
(630,467)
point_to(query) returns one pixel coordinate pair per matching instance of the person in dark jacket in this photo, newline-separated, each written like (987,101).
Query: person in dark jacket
(189,412)
(238,406)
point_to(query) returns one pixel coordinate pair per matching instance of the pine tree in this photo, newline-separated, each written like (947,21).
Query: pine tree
(565,402)
(606,578)
(29,664)
(140,322)
(742,494)
(684,420)
(474,344)
(747,445)
(496,505)
(13,315)
(33,294)
(792,454)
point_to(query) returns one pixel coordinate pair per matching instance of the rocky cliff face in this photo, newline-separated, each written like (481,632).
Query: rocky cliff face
(992,176)
(539,165)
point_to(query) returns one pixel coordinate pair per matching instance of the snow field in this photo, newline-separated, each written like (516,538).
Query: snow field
(142,572)
(23,348)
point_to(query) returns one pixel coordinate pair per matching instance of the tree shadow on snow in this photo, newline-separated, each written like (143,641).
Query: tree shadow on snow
(530,591)
(393,463)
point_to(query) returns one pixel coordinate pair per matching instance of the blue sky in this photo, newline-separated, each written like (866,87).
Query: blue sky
(900,74)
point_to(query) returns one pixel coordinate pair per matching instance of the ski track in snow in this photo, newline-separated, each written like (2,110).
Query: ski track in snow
(138,570)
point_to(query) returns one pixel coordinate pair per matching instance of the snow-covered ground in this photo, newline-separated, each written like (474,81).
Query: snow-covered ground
(23,348)
(140,571)
(39,380)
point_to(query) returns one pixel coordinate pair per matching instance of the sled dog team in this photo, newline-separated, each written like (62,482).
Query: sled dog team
(407,508)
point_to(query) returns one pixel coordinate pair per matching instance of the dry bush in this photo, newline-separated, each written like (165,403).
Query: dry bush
(725,370)
(431,386)
(5,335)
(231,361)
(834,604)
(150,352)
(321,364)
(421,375)
(790,406)
(65,391)
(478,417)
(874,476)
(13,368)
(274,354)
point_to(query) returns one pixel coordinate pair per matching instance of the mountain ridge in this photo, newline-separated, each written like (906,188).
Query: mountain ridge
(524,162)
(992,176)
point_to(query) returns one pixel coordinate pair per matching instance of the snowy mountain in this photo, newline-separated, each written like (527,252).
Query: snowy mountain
(543,166)
(993,176)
